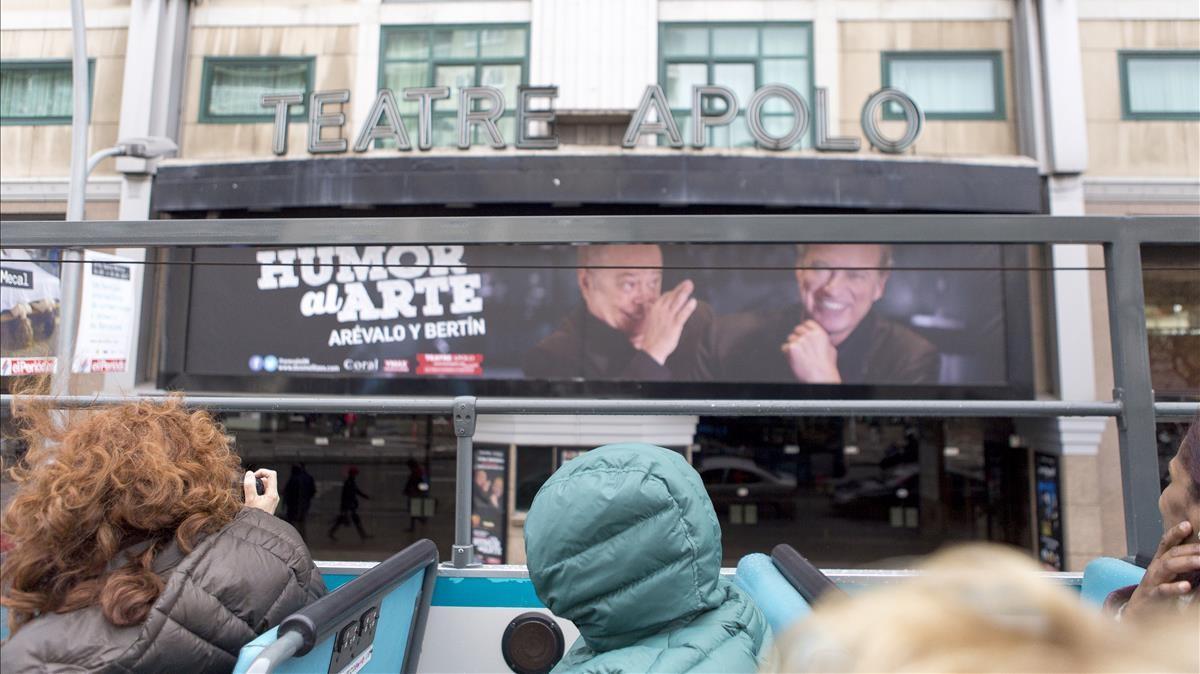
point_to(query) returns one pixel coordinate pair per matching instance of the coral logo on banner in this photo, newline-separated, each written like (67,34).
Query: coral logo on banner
(450,363)
(21,367)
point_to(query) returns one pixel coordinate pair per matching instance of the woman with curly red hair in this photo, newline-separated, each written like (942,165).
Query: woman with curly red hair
(132,549)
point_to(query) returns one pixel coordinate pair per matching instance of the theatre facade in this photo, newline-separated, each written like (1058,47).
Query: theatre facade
(544,109)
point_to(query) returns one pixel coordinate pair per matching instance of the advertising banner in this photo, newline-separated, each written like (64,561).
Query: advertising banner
(489,504)
(1049,511)
(30,299)
(106,314)
(845,314)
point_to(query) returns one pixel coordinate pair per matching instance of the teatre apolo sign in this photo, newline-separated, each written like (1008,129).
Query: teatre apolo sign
(482,106)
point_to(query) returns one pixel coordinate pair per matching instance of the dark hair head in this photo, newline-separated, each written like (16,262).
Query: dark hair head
(1189,456)
(885,251)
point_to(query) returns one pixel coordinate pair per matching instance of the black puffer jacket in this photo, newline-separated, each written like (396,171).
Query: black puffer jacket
(234,585)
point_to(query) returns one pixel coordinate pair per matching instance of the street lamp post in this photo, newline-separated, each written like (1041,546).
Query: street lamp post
(81,168)
(79,112)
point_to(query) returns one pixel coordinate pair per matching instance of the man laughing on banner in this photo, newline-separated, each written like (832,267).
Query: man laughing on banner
(627,327)
(833,336)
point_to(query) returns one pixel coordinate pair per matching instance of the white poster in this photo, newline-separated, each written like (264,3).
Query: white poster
(106,314)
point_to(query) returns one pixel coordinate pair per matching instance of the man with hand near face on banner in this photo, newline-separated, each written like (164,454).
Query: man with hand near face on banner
(833,336)
(627,328)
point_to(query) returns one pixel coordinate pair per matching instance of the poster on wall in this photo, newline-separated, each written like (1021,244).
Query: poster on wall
(1049,511)
(702,314)
(489,504)
(565,454)
(106,315)
(30,303)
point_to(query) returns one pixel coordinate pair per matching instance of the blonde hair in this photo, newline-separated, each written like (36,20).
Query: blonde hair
(980,608)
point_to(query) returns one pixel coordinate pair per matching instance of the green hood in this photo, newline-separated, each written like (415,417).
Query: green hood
(623,541)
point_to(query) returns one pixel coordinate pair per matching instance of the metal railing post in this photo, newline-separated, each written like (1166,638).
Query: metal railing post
(463,552)
(1131,377)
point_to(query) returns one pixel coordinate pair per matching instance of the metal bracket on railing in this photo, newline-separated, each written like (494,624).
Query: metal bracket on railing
(1118,395)
(462,553)
(464,416)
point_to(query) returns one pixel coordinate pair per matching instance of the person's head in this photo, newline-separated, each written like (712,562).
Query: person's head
(1180,501)
(978,608)
(642,505)
(619,281)
(840,282)
(99,483)
(352,471)
(498,487)
(481,479)
(413,465)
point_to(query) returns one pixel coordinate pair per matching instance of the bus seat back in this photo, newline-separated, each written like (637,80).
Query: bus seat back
(1103,575)
(401,594)
(780,603)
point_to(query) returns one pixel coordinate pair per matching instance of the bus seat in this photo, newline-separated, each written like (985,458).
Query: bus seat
(386,605)
(780,603)
(1103,575)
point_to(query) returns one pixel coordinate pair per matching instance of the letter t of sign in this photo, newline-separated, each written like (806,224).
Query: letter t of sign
(281,103)
(425,96)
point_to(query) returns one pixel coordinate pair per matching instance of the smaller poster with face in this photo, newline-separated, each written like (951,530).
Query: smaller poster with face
(1049,514)
(565,454)
(489,504)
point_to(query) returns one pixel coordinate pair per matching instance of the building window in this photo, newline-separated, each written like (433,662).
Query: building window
(743,57)
(947,84)
(456,57)
(1160,84)
(231,88)
(1172,290)
(38,92)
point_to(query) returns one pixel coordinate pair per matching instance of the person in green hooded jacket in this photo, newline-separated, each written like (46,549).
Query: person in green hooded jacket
(623,541)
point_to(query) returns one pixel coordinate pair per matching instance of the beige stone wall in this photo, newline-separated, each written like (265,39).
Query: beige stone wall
(290,4)
(59,5)
(1142,208)
(861,43)
(44,151)
(34,210)
(1133,148)
(334,49)
(1093,500)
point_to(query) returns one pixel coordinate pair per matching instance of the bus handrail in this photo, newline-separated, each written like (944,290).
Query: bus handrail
(626,406)
(803,575)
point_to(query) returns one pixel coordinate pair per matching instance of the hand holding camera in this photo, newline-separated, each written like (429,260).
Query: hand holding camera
(262,490)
